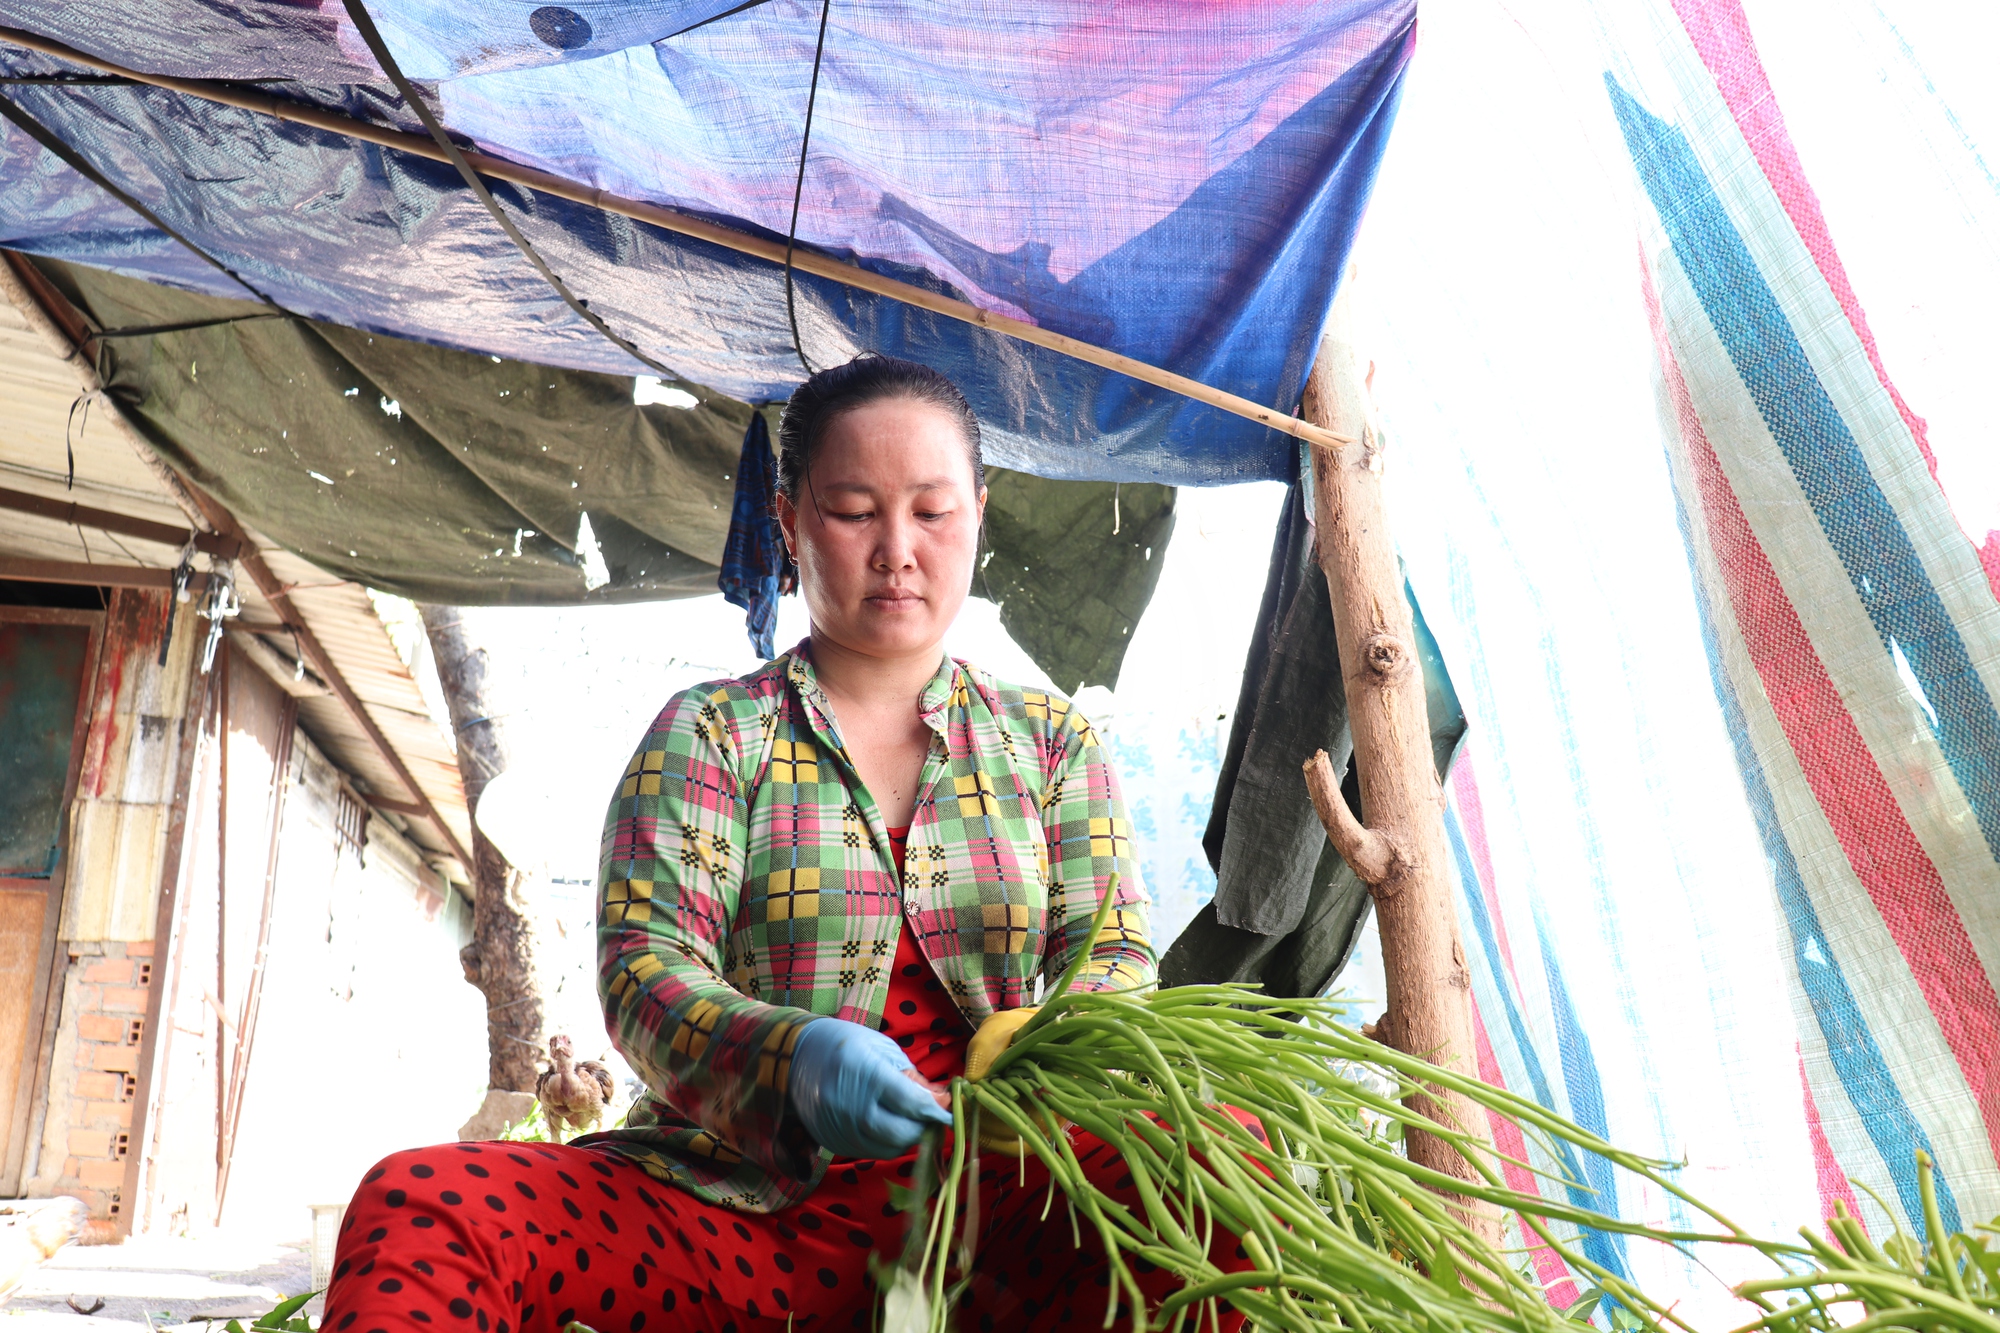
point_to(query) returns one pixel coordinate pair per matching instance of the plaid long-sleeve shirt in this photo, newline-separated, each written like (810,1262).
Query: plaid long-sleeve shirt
(747,888)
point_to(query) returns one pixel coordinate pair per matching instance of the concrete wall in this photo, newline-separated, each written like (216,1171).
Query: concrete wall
(367,1038)
(370,1040)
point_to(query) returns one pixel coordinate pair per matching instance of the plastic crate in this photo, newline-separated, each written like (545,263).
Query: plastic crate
(325,1236)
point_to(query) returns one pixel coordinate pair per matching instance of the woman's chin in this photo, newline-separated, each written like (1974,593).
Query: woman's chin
(896,631)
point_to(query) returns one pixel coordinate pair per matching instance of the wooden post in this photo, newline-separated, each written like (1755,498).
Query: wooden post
(1401,853)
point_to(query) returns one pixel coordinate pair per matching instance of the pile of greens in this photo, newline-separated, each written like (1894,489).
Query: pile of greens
(1342,1229)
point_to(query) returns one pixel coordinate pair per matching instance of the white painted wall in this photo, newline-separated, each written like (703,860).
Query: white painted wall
(370,1038)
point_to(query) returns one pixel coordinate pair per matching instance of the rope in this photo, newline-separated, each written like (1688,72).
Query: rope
(127,81)
(380,50)
(69,80)
(799,185)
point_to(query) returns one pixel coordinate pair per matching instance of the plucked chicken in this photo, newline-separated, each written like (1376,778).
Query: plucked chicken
(573,1092)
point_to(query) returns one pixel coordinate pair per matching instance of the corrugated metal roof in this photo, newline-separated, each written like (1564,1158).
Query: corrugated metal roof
(37,394)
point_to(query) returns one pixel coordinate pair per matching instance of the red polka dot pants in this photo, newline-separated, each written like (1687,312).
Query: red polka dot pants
(524,1238)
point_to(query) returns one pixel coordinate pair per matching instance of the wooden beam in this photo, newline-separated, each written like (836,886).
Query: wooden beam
(398,807)
(283,671)
(248,97)
(59,322)
(85,574)
(1400,852)
(104,520)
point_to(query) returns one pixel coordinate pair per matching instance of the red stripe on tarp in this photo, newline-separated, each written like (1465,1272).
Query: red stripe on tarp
(1886,857)
(1833,1185)
(1472,820)
(1721,36)
(1550,1270)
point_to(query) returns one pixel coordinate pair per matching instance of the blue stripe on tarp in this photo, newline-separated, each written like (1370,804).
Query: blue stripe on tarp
(1580,1077)
(1857,518)
(1605,1249)
(1851,1048)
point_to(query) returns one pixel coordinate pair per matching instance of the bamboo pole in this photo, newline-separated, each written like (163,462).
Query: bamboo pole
(248,97)
(1400,854)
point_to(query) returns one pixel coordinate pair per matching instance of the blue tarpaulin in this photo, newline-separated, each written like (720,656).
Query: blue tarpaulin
(1178,184)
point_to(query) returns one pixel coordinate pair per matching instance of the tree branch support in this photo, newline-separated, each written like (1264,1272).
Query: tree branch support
(1400,851)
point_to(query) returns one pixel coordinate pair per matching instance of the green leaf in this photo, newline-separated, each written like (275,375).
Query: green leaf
(1444,1269)
(1585,1305)
(530,1128)
(283,1310)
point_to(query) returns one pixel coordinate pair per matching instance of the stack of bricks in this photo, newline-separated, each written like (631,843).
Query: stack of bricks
(107,995)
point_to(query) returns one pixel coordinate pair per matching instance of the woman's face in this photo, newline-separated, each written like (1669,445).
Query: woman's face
(886,528)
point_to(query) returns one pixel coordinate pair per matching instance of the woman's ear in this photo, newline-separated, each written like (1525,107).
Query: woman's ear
(982,506)
(788,524)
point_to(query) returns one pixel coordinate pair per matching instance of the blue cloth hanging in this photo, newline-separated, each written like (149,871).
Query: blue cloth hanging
(755,567)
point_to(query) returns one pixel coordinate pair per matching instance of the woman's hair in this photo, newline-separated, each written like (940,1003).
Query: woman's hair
(868,378)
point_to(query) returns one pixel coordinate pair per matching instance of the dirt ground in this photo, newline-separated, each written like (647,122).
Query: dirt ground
(154,1284)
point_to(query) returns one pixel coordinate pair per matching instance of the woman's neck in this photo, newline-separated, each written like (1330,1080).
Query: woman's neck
(873,683)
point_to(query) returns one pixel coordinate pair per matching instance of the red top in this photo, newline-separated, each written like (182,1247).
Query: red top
(919,1016)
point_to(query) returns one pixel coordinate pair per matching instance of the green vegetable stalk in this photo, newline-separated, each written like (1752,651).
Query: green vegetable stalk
(1342,1230)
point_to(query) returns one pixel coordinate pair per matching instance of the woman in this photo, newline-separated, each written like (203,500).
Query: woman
(817,884)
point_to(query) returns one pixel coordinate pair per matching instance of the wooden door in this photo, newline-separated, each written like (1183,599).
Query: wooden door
(46,659)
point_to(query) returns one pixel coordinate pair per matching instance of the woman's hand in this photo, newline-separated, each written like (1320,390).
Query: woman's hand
(857,1093)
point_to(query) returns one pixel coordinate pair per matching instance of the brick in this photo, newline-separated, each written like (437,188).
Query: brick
(111,971)
(97,1201)
(117,1059)
(95,1084)
(104,1175)
(124,1000)
(89,1143)
(99,1027)
(139,949)
(116,1113)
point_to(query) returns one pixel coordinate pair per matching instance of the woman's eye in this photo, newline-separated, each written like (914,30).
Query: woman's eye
(858,516)
(931,515)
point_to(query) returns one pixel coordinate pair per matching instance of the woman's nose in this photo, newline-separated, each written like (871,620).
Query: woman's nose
(896,549)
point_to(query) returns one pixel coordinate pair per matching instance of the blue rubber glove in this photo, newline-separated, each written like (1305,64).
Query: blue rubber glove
(857,1093)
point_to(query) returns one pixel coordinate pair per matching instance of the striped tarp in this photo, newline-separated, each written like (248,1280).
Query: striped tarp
(1853,635)
(1853,641)
(1727,823)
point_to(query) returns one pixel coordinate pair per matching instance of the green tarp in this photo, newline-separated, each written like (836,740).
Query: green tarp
(1288,910)
(451,477)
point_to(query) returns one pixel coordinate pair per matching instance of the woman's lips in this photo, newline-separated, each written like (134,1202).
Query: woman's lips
(893,599)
